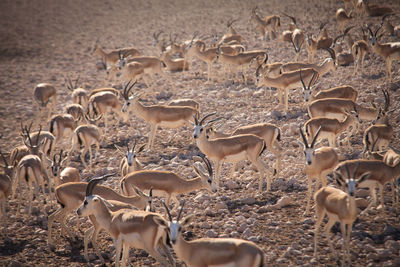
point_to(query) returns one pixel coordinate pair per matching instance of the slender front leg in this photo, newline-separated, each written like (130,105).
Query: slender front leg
(218,163)
(286,100)
(309,189)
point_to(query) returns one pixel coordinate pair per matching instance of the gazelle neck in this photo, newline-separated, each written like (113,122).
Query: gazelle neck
(367,113)
(182,248)
(190,185)
(139,109)
(203,143)
(325,66)
(103,215)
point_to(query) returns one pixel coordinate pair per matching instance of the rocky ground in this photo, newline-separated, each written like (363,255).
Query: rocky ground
(43,41)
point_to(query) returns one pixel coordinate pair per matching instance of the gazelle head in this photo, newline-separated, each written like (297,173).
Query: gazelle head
(130,153)
(91,202)
(199,128)
(259,75)
(71,86)
(309,150)
(331,60)
(351,183)
(382,116)
(56,165)
(174,227)
(156,36)
(206,176)
(8,169)
(307,90)
(373,38)
(128,99)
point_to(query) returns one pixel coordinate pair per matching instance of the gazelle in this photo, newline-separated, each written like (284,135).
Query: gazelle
(231,35)
(112,56)
(174,64)
(287,35)
(104,89)
(68,174)
(267,131)
(342,18)
(298,38)
(43,93)
(338,108)
(17,153)
(78,94)
(157,115)
(185,102)
(286,81)
(45,139)
(76,111)
(331,128)
(61,125)
(319,163)
(30,169)
(389,51)
(210,251)
(160,44)
(359,50)
(5,191)
(380,174)
(168,184)
(129,163)
(230,149)
(151,66)
(86,135)
(8,169)
(373,10)
(104,102)
(70,195)
(389,28)
(340,206)
(267,26)
(128,228)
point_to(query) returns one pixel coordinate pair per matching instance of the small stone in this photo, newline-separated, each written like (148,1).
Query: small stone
(284,201)
(205,225)
(221,205)
(232,185)
(211,233)
(362,203)
(243,227)
(362,193)
(249,200)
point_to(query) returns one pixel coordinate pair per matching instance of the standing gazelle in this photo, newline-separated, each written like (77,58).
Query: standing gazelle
(319,163)
(43,93)
(157,115)
(231,149)
(340,207)
(210,251)
(127,227)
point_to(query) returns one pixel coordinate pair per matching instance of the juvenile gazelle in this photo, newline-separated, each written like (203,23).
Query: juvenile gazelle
(129,163)
(210,251)
(319,163)
(359,50)
(112,56)
(389,51)
(43,93)
(230,149)
(86,135)
(104,102)
(128,228)
(267,26)
(78,94)
(331,128)
(340,206)
(61,125)
(168,184)
(267,131)
(287,81)
(157,115)
(70,196)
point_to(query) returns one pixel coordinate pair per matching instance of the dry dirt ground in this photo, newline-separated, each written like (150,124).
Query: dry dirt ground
(45,40)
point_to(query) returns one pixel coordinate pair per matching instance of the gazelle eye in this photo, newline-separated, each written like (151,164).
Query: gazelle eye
(201,129)
(209,181)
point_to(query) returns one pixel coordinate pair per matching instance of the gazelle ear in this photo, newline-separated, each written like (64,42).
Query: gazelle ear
(187,219)
(141,149)
(138,191)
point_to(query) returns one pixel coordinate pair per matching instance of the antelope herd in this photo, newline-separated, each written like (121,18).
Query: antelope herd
(126,211)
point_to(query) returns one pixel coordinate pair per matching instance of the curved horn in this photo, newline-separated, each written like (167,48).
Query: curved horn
(208,164)
(331,52)
(292,18)
(315,136)
(205,117)
(355,170)
(92,183)
(167,209)
(76,81)
(134,145)
(180,211)
(302,81)
(69,84)
(258,70)
(303,137)
(387,99)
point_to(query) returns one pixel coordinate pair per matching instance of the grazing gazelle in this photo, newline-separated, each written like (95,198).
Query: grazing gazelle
(78,94)
(127,227)
(61,125)
(157,115)
(319,163)
(340,206)
(210,251)
(43,93)
(168,184)
(129,163)
(230,149)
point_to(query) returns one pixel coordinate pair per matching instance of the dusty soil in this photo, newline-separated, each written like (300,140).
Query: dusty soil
(43,41)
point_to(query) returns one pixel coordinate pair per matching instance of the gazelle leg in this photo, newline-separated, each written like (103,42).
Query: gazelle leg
(153,136)
(286,100)
(309,189)
(125,254)
(83,153)
(118,247)
(320,214)
(218,163)
(380,189)
(328,235)
(90,157)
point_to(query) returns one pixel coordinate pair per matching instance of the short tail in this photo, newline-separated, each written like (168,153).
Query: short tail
(52,126)
(278,137)
(79,140)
